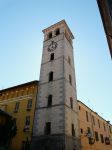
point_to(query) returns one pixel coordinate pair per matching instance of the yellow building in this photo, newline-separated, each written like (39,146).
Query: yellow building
(95,132)
(19,101)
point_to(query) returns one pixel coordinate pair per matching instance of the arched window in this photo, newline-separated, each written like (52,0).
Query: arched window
(49,104)
(50,35)
(69,60)
(70,79)
(71,102)
(51,76)
(52,56)
(73,130)
(57,32)
(48,128)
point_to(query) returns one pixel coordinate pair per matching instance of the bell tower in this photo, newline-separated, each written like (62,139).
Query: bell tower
(56,116)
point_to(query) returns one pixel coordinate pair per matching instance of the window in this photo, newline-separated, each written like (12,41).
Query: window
(104,127)
(29,105)
(69,60)
(27,124)
(88,130)
(79,108)
(107,141)
(50,76)
(98,123)
(48,128)
(110,129)
(16,107)
(57,32)
(49,101)
(71,102)
(52,56)
(27,120)
(90,136)
(50,35)
(73,130)
(81,130)
(96,136)
(93,120)
(87,118)
(70,79)
(102,139)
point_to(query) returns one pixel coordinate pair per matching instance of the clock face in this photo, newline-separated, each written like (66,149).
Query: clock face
(52,46)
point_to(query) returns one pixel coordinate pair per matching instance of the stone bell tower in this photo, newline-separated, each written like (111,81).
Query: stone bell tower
(56,115)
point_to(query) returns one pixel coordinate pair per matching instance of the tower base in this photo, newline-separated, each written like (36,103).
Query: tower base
(55,142)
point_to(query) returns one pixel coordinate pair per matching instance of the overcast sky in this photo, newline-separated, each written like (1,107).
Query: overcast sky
(21,41)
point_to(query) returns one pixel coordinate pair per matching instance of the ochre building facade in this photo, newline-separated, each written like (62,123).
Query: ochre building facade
(19,102)
(95,132)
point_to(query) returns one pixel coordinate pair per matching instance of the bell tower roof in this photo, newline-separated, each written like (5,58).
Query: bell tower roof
(61,23)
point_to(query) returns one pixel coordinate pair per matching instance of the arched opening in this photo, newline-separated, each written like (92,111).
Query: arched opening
(50,35)
(52,56)
(71,102)
(49,104)
(48,128)
(51,76)
(70,79)
(69,60)
(57,32)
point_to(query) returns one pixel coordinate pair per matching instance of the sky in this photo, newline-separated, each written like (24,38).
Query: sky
(21,42)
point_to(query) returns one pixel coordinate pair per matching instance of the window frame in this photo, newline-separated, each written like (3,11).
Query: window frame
(29,104)
(102,138)
(96,135)
(17,105)
(27,124)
